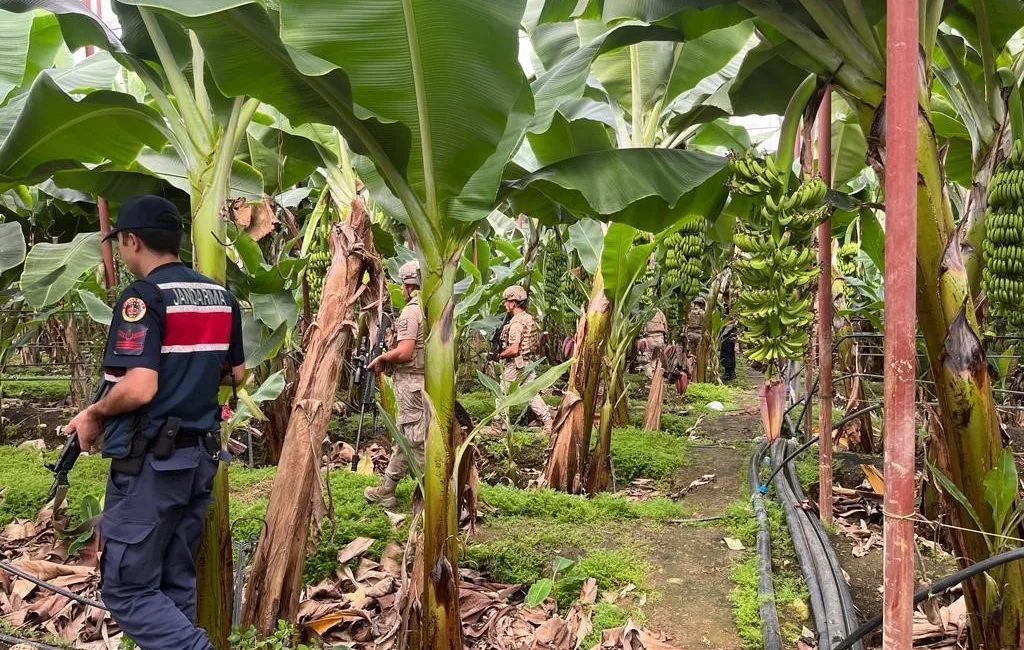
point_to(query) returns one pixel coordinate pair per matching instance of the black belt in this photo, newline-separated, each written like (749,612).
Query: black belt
(190,438)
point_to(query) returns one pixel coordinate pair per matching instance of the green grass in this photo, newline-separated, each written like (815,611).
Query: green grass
(42,390)
(790,599)
(790,590)
(607,616)
(523,549)
(650,454)
(24,482)
(571,509)
(479,404)
(699,395)
(676,425)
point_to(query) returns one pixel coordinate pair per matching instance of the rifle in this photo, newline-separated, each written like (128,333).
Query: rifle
(367,381)
(71,451)
(496,338)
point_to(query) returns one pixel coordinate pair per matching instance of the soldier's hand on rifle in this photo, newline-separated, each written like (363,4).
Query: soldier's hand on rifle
(375,365)
(87,425)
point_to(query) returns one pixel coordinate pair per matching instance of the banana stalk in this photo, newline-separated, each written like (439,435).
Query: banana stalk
(570,440)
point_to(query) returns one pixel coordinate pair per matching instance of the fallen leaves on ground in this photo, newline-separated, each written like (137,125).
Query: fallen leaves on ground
(35,548)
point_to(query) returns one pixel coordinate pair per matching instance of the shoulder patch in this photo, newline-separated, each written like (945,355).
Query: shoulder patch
(133,309)
(402,325)
(130,339)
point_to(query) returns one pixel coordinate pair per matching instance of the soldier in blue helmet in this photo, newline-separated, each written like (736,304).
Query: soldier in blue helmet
(175,337)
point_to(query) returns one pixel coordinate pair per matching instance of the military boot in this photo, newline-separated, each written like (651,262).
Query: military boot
(384,494)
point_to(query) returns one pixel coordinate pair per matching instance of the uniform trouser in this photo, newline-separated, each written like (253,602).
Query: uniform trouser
(655,345)
(151,527)
(412,423)
(511,373)
(727,356)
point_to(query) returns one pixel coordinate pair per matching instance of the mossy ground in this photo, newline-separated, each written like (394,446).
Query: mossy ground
(38,389)
(790,590)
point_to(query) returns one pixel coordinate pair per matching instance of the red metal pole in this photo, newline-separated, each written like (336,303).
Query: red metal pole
(109,270)
(89,49)
(825,318)
(901,114)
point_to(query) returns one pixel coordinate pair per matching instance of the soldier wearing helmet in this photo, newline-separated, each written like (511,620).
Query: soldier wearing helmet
(519,346)
(405,360)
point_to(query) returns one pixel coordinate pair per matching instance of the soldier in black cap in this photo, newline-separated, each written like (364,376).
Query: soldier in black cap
(175,337)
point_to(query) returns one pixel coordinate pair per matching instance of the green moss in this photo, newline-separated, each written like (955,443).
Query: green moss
(608,616)
(677,425)
(524,548)
(649,454)
(42,390)
(699,395)
(790,599)
(790,590)
(552,400)
(479,404)
(24,482)
(567,508)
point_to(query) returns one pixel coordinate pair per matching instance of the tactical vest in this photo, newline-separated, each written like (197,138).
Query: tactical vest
(528,344)
(196,315)
(416,364)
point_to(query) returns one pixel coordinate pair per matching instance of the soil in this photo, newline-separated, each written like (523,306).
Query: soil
(693,563)
(23,420)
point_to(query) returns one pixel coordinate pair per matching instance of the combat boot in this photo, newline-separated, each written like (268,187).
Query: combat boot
(384,494)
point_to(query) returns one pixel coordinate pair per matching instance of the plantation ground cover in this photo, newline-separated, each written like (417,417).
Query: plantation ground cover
(645,564)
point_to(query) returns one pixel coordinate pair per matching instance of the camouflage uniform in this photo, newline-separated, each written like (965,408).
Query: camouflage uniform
(654,333)
(694,329)
(522,330)
(408,382)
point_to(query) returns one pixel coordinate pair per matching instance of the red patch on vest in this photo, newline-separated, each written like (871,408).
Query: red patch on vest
(130,339)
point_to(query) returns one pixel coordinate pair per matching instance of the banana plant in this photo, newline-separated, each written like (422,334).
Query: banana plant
(204,130)
(846,44)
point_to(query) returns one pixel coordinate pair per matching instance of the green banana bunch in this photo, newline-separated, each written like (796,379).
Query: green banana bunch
(1003,248)
(681,258)
(777,266)
(316,271)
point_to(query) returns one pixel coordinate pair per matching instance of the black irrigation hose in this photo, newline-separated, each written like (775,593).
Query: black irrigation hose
(845,599)
(822,609)
(13,640)
(804,447)
(771,633)
(54,588)
(936,587)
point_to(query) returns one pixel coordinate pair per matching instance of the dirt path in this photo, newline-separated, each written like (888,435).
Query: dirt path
(692,563)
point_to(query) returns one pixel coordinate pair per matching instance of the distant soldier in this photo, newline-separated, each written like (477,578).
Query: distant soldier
(519,339)
(652,342)
(405,360)
(727,352)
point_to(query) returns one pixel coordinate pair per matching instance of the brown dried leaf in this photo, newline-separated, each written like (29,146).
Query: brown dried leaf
(354,549)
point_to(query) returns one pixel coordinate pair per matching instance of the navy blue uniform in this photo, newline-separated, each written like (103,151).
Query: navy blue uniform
(187,328)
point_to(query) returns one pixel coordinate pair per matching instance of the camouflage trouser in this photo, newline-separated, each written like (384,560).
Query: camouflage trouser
(646,359)
(511,373)
(412,423)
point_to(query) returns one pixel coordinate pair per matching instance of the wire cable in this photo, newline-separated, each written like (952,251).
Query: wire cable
(51,587)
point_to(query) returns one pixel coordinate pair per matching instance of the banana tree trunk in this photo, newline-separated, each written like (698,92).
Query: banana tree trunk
(273,591)
(705,348)
(570,440)
(214,560)
(655,398)
(859,432)
(969,432)
(620,403)
(441,623)
(599,476)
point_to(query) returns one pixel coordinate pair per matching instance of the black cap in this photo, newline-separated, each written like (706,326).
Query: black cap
(146,211)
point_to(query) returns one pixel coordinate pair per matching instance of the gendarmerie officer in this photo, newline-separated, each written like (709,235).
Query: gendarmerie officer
(175,337)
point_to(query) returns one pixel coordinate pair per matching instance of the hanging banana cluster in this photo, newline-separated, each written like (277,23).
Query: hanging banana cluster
(776,266)
(680,256)
(846,258)
(1003,250)
(316,271)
